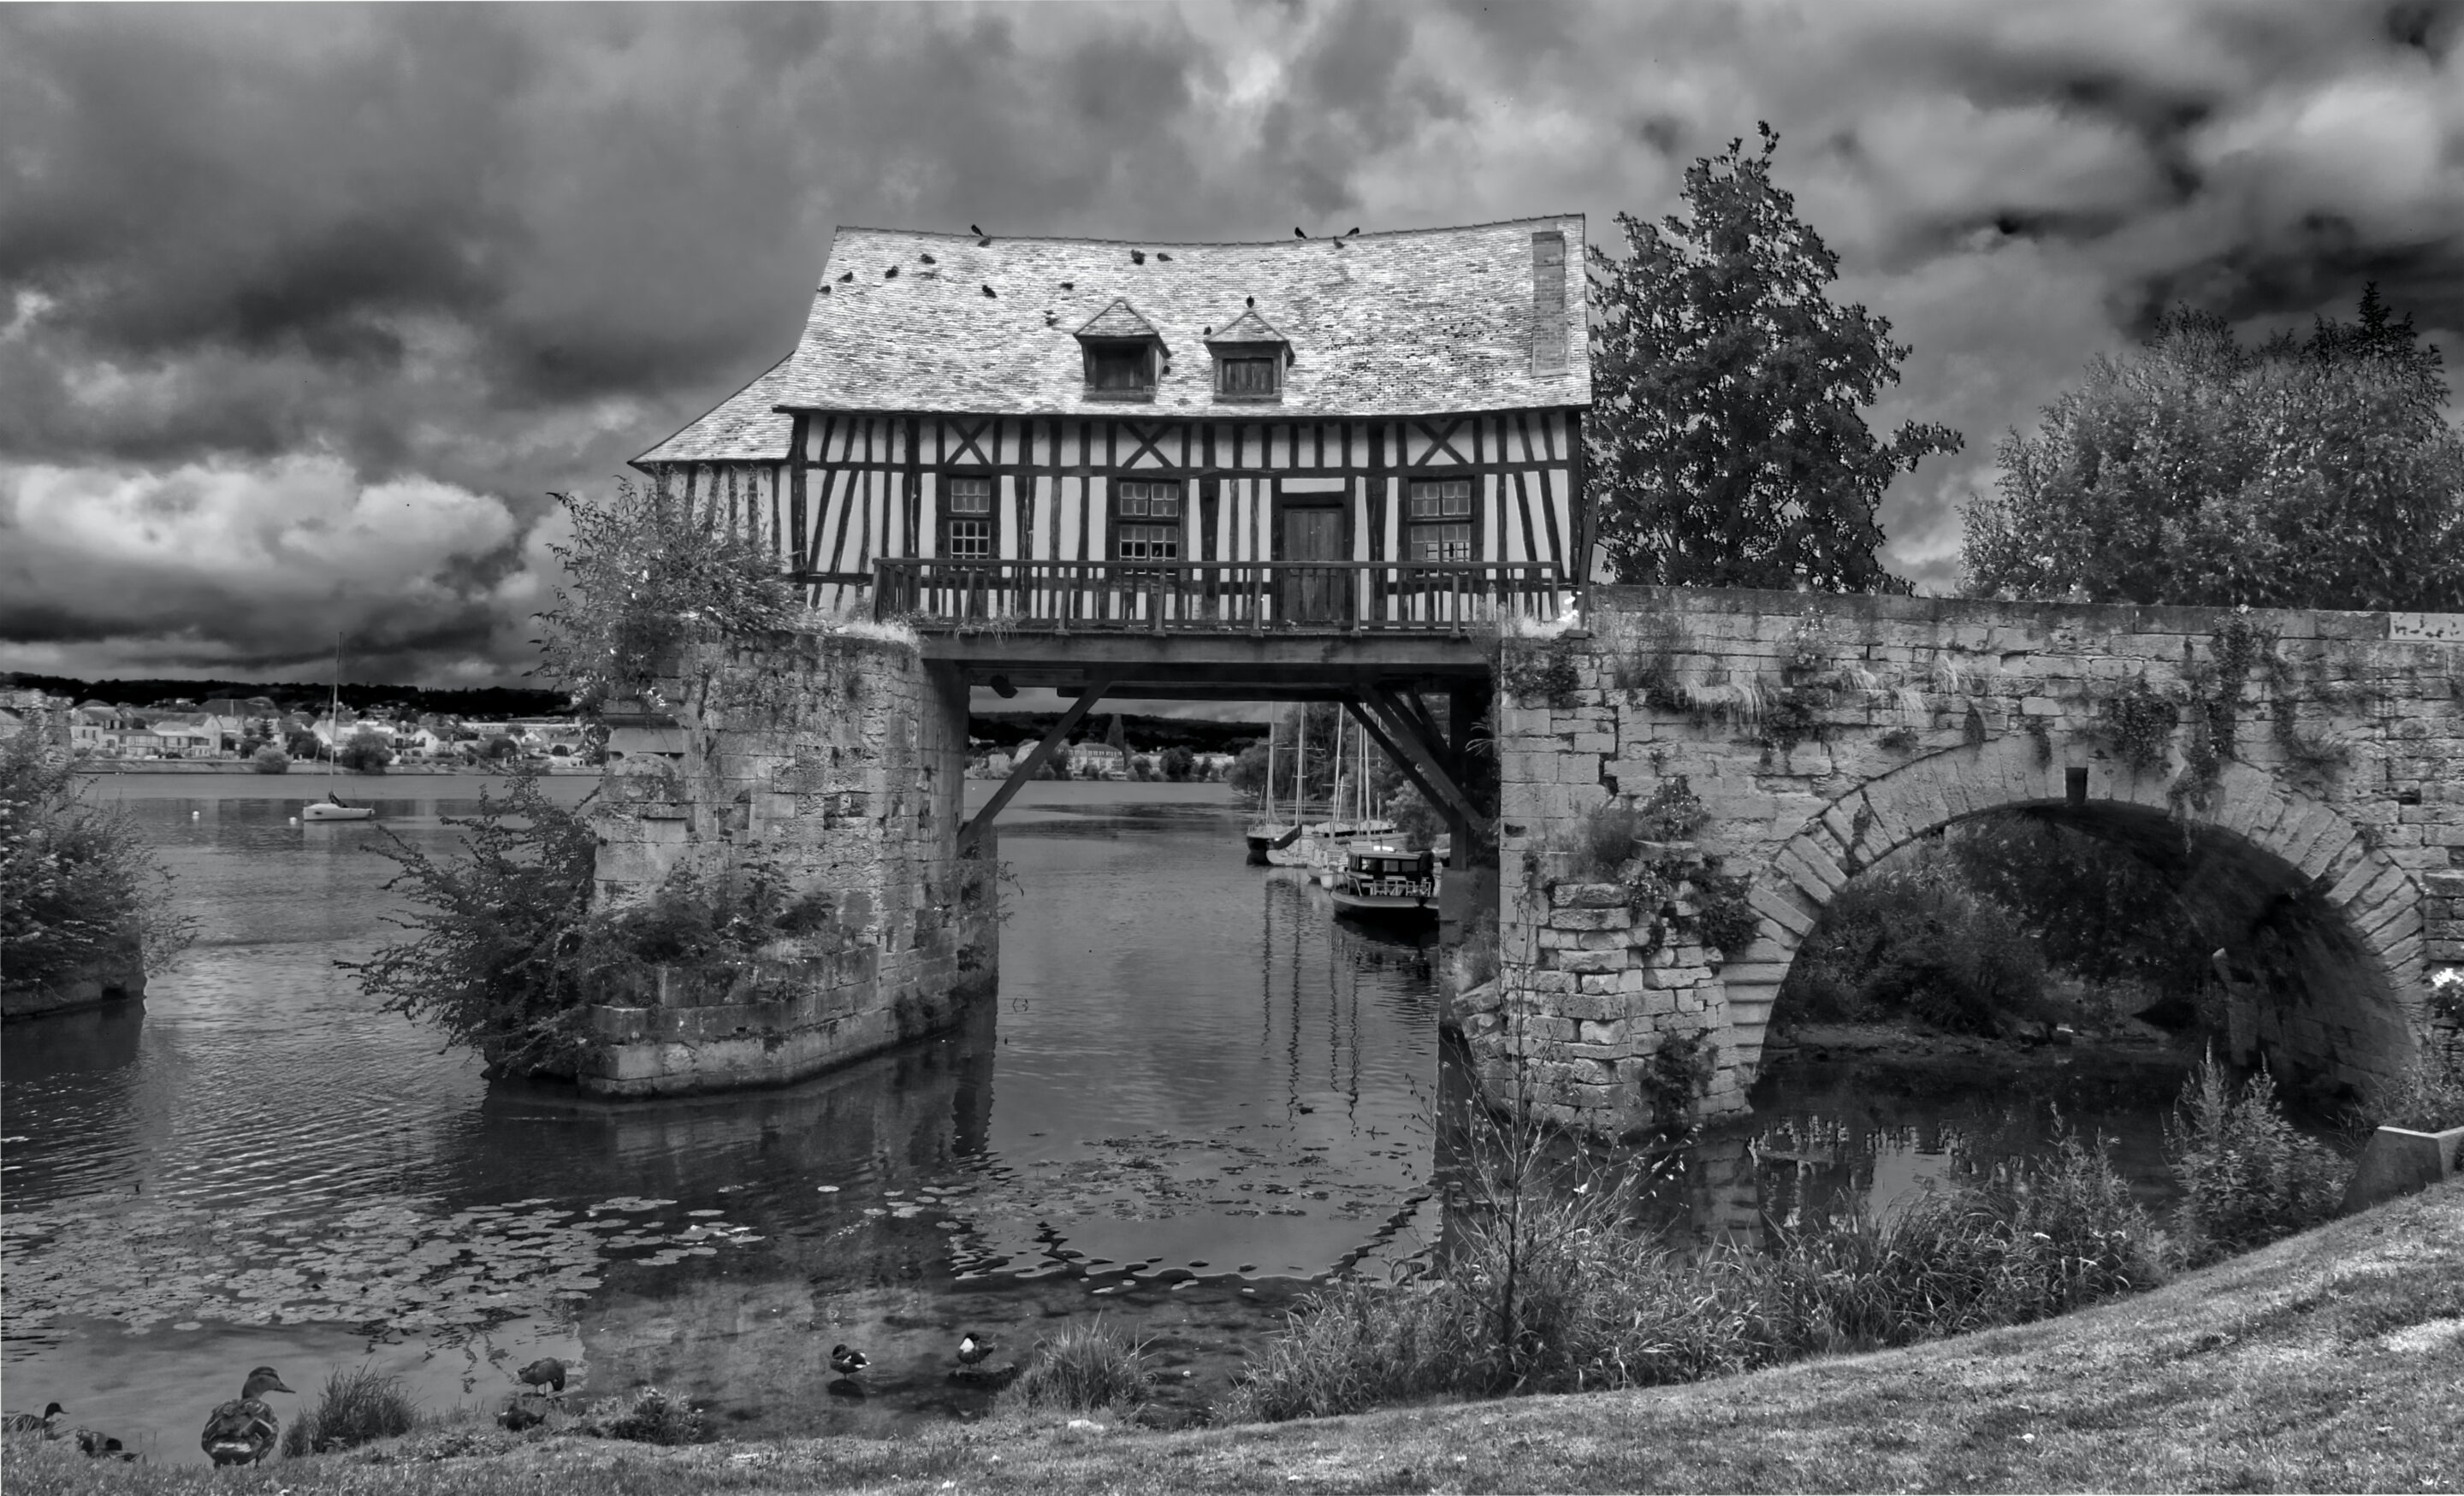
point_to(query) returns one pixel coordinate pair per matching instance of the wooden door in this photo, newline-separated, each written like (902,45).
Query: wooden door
(1314,532)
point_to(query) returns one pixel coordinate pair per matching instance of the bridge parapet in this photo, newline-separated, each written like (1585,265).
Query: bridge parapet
(2302,776)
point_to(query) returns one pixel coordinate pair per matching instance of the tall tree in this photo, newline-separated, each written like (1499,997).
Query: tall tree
(1729,446)
(2316,472)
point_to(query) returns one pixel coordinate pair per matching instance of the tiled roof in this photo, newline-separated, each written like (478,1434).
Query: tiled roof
(1415,323)
(1120,319)
(746,427)
(1250,328)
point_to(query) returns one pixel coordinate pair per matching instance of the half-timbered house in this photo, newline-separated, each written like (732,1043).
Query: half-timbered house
(1379,430)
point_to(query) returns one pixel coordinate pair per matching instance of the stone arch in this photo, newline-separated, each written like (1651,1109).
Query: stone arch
(2270,866)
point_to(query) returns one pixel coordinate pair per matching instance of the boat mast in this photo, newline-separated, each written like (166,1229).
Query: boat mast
(1300,763)
(1267,794)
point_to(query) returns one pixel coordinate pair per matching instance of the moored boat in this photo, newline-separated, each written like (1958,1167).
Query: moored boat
(1385,882)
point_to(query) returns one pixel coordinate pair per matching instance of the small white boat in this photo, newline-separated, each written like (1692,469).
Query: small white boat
(1385,882)
(331,809)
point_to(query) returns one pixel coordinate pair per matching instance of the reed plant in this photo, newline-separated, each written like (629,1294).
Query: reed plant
(1545,1284)
(1085,1369)
(357,1406)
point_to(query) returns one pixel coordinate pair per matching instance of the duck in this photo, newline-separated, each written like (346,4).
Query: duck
(519,1414)
(44,1422)
(243,1430)
(97,1445)
(545,1371)
(973,1348)
(847,1362)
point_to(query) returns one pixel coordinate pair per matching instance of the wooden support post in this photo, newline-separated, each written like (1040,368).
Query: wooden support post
(1042,754)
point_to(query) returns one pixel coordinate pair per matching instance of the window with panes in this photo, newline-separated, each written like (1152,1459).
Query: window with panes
(1146,521)
(967,519)
(1438,516)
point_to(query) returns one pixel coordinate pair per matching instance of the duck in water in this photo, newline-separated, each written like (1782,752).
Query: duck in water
(846,1362)
(243,1430)
(45,1422)
(973,1348)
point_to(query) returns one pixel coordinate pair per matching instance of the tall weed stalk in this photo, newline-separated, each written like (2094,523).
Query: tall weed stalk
(2248,1176)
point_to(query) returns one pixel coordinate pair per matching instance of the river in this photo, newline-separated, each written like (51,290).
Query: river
(1194,1093)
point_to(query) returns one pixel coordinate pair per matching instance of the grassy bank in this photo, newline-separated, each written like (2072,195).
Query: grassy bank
(2330,1361)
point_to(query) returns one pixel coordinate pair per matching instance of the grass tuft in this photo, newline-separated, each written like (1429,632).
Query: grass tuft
(355,1407)
(1085,1369)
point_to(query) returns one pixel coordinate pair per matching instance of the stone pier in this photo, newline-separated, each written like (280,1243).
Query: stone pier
(837,759)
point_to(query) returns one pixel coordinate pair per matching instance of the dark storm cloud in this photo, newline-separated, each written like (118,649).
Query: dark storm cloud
(270,278)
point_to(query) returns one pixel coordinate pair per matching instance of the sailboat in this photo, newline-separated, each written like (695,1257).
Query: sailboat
(333,807)
(1293,849)
(1266,834)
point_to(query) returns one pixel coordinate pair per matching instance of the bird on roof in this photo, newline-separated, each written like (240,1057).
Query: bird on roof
(990,292)
(984,243)
(1300,233)
(977,233)
(1137,256)
(545,1371)
(929,260)
(1070,285)
(1161,255)
(1251,302)
(35,1422)
(891,274)
(243,1430)
(846,1361)
(844,279)
(1052,318)
(1355,228)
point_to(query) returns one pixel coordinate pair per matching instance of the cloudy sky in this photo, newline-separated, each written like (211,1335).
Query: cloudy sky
(303,310)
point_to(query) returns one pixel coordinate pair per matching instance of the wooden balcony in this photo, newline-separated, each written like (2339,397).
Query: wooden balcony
(1262,599)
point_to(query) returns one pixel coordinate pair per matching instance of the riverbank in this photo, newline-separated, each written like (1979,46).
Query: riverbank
(2330,1361)
(309,768)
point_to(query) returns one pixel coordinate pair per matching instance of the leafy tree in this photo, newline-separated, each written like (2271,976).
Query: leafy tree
(2305,473)
(269,760)
(1178,762)
(303,745)
(366,753)
(1728,442)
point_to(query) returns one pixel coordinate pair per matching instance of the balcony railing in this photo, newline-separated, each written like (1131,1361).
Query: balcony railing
(1216,597)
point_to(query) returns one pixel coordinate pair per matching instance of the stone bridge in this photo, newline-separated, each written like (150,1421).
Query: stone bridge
(2300,776)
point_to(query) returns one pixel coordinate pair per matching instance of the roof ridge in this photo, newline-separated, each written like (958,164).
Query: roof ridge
(1204,244)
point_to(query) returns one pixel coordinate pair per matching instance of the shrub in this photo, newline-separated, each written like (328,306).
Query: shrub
(650,1416)
(355,1407)
(78,884)
(1085,1369)
(2248,1176)
(1545,1285)
(269,760)
(645,573)
(1915,940)
(1179,763)
(507,950)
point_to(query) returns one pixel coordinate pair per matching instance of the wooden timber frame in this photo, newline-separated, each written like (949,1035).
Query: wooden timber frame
(859,488)
(1382,681)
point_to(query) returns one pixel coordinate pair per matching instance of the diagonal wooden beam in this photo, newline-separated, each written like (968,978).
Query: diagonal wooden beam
(1042,754)
(1377,730)
(1406,734)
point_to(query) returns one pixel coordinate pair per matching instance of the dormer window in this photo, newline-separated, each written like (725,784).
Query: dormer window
(1119,368)
(1250,357)
(1125,355)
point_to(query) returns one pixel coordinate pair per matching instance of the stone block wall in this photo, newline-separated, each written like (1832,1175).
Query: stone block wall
(1600,988)
(837,759)
(1824,732)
